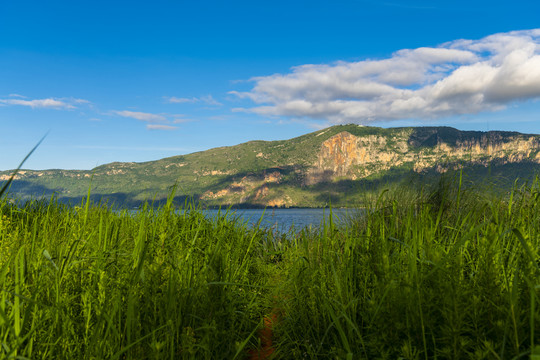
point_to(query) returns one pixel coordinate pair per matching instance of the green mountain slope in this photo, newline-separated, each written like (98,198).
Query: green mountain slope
(336,164)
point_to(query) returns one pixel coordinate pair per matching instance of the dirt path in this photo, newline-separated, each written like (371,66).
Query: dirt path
(266,350)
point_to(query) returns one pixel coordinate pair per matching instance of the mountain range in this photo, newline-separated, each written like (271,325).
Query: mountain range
(338,164)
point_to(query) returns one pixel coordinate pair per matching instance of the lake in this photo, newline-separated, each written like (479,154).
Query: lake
(284,219)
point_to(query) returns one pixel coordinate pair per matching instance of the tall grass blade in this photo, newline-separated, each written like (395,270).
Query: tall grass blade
(10,180)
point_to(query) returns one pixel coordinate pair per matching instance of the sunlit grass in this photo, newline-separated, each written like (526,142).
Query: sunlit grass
(438,273)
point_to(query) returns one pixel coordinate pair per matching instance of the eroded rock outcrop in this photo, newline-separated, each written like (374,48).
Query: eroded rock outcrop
(338,153)
(345,155)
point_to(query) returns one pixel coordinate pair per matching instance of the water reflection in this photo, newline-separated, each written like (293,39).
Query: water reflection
(284,219)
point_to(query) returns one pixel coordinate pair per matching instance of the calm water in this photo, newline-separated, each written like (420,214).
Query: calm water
(284,219)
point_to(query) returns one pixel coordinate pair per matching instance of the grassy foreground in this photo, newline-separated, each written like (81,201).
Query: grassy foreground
(445,274)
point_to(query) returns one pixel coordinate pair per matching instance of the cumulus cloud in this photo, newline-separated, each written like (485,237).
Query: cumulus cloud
(458,77)
(49,103)
(208,100)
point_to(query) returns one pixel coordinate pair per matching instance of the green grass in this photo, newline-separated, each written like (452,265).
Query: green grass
(445,272)
(86,282)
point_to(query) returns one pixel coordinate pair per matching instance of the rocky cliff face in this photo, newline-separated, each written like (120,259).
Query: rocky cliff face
(348,156)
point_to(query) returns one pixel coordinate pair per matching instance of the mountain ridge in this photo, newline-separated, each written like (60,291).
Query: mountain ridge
(334,164)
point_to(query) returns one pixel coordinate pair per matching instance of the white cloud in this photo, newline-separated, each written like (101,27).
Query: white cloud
(175,100)
(49,103)
(458,77)
(160,127)
(142,116)
(181,120)
(39,103)
(207,99)
(154,121)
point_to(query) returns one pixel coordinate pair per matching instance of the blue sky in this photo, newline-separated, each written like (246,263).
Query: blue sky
(139,81)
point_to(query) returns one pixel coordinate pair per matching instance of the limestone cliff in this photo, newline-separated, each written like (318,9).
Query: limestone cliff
(345,155)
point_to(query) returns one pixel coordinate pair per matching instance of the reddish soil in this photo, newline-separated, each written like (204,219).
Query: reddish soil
(266,350)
